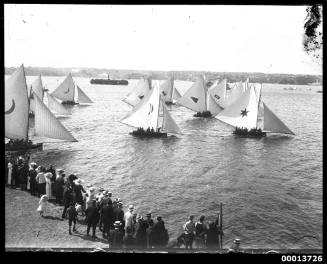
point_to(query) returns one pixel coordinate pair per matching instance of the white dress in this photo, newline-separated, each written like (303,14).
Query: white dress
(42,206)
(9,172)
(48,186)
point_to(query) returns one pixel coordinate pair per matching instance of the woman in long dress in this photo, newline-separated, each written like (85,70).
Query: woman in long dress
(10,173)
(48,186)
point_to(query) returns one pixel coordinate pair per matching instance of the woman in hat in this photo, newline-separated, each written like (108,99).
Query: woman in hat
(79,190)
(42,204)
(116,236)
(59,186)
(48,186)
(90,196)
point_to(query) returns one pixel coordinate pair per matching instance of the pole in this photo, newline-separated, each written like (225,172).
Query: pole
(221,225)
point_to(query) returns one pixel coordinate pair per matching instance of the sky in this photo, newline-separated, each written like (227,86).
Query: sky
(217,38)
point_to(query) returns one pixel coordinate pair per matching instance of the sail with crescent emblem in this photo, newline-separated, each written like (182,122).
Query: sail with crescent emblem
(47,125)
(145,114)
(243,112)
(218,92)
(195,97)
(57,107)
(138,92)
(16,106)
(66,90)
(82,97)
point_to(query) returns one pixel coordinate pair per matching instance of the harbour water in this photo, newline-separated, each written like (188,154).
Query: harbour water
(271,188)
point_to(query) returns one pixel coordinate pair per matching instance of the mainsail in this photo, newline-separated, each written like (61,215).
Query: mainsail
(243,112)
(166,90)
(169,124)
(66,90)
(234,94)
(36,88)
(176,95)
(82,97)
(195,97)
(145,114)
(213,106)
(55,106)
(47,125)
(16,106)
(138,93)
(272,123)
(218,92)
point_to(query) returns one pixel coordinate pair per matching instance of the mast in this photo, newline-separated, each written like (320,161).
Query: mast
(158,109)
(28,102)
(221,225)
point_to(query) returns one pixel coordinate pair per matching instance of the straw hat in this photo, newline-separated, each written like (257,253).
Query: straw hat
(131,208)
(117,223)
(78,181)
(92,189)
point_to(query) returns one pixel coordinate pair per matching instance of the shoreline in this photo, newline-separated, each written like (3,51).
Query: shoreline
(26,230)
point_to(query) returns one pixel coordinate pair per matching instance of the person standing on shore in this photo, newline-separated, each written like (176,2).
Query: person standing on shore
(189,230)
(200,232)
(32,176)
(116,236)
(150,224)
(72,217)
(48,184)
(68,198)
(128,218)
(59,186)
(92,218)
(40,179)
(119,213)
(140,232)
(10,167)
(79,191)
(108,217)
(42,205)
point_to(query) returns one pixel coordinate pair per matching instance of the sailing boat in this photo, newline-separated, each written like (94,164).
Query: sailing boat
(251,117)
(66,92)
(16,116)
(138,93)
(199,100)
(57,107)
(37,88)
(151,117)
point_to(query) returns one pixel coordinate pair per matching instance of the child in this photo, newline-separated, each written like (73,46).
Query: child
(72,217)
(42,204)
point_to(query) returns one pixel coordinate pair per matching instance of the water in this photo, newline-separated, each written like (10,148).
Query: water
(271,188)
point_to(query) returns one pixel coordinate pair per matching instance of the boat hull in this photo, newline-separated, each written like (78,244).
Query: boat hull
(256,134)
(69,103)
(23,148)
(110,82)
(148,134)
(170,103)
(205,114)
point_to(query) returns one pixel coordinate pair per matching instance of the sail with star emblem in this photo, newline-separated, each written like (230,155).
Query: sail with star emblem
(138,93)
(195,97)
(243,112)
(66,90)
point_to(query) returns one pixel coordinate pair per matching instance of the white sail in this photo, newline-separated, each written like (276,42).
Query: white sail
(66,90)
(145,114)
(273,124)
(82,97)
(218,92)
(234,94)
(195,97)
(166,90)
(176,95)
(47,125)
(260,117)
(243,112)
(169,124)
(16,106)
(36,88)
(138,93)
(213,106)
(57,107)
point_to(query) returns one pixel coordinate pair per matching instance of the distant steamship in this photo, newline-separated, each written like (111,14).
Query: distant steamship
(108,81)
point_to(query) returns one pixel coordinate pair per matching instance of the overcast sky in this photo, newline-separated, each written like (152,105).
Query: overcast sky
(264,39)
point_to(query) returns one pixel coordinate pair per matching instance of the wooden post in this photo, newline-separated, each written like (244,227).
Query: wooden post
(221,225)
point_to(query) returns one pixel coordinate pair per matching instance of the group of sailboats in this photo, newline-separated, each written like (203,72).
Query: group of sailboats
(240,107)
(21,104)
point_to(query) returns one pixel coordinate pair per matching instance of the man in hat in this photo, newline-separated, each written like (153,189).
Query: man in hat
(32,176)
(108,217)
(92,218)
(116,235)
(119,213)
(140,232)
(159,234)
(79,191)
(189,230)
(59,186)
(200,232)
(128,218)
